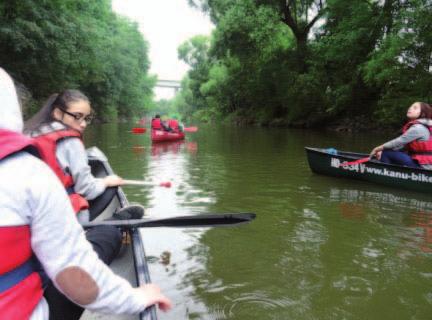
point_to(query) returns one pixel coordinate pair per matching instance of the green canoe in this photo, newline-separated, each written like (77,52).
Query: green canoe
(329,162)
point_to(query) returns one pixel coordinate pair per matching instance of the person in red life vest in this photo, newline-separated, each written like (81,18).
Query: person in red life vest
(174,125)
(158,124)
(414,147)
(57,132)
(57,129)
(38,229)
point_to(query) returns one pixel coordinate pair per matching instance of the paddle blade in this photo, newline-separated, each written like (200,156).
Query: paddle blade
(138,130)
(362,160)
(190,129)
(200,220)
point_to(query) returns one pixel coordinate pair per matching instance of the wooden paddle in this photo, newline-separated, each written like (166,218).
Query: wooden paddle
(199,220)
(166,184)
(362,160)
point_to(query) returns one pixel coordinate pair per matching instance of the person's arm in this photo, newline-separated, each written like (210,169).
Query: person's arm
(68,258)
(72,156)
(415,132)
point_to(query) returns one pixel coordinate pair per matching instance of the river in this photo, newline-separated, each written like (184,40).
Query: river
(320,247)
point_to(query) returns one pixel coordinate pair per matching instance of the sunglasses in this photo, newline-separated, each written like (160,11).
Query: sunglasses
(79,117)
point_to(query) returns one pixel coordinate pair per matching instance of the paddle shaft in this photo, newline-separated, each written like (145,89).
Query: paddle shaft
(136,183)
(144,183)
(200,220)
(362,160)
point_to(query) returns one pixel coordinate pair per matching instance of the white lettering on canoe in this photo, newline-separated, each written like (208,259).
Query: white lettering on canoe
(363,168)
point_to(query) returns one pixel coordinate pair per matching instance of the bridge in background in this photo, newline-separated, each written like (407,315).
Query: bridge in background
(166,89)
(175,84)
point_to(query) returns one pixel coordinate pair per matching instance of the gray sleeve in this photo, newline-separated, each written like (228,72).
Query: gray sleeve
(415,132)
(73,158)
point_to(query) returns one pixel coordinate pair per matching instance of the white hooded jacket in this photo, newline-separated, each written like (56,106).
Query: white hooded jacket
(30,194)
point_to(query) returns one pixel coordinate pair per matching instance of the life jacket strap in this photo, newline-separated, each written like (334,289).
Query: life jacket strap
(15,276)
(70,190)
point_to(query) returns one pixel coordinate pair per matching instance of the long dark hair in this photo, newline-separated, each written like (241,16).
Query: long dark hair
(56,100)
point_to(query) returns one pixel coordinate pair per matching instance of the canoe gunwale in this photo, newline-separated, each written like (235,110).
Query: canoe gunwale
(142,274)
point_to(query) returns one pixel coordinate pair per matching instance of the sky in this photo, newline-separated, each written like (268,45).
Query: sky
(165,24)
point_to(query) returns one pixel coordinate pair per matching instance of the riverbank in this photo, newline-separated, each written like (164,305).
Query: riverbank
(354,124)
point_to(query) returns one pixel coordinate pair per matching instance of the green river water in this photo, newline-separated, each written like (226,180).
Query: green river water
(320,248)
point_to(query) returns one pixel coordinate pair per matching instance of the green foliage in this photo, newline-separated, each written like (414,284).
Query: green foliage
(401,64)
(308,62)
(56,44)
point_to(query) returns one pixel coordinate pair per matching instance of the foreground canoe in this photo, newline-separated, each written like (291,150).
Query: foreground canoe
(329,162)
(131,263)
(165,136)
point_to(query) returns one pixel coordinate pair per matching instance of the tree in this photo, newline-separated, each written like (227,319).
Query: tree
(56,44)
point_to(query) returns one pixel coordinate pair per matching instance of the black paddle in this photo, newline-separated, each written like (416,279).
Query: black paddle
(201,220)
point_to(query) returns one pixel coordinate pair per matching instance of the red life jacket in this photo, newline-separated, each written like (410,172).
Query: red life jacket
(156,124)
(173,124)
(420,150)
(20,285)
(47,145)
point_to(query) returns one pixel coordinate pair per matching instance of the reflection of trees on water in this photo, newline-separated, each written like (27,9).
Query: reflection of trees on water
(353,203)
(174,253)
(314,252)
(381,198)
(422,222)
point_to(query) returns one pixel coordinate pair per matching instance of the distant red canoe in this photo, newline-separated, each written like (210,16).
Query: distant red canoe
(163,136)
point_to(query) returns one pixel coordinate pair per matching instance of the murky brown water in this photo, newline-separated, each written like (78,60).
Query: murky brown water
(321,247)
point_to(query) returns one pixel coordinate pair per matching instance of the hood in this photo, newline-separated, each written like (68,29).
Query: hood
(10,110)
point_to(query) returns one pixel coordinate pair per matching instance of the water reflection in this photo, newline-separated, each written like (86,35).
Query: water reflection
(158,149)
(321,247)
(367,196)
(413,219)
(174,254)
(138,151)
(421,222)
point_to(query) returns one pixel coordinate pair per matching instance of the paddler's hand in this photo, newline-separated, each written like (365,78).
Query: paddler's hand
(153,295)
(376,152)
(113,181)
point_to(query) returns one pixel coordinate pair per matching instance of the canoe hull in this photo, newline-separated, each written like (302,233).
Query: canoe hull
(322,162)
(131,263)
(165,136)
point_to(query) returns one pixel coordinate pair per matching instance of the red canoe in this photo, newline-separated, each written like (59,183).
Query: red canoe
(163,136)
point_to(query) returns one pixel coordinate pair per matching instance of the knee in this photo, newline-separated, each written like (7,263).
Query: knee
(105,234)
(112,232)
(385,156)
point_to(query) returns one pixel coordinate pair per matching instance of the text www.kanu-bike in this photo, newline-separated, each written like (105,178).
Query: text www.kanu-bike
(362,168)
